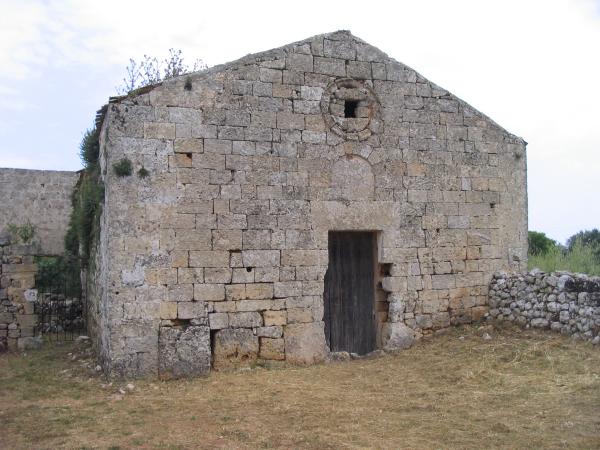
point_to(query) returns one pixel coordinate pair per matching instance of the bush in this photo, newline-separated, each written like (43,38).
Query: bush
(539,243)
(123,167)
(580,259)
(87,199)
(58,274)
(587,238)
(23,233)
(89,149)
(151,70)
(143,173)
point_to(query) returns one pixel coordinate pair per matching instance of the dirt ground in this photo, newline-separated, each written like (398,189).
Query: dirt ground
(519,389)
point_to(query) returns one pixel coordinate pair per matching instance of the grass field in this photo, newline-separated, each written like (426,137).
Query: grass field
(521,389)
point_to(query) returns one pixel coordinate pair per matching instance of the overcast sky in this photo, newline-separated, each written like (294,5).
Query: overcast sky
(532,66)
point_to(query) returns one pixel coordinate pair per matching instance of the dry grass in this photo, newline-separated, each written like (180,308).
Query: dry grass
(518,390)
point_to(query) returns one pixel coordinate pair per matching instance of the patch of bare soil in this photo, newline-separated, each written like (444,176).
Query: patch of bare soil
(465,389)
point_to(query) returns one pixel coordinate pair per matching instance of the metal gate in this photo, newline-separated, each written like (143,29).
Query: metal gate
(60,318)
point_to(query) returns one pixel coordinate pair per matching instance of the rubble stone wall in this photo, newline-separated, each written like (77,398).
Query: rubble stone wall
(42,197)
(218,256)
(568,303)
(17,295)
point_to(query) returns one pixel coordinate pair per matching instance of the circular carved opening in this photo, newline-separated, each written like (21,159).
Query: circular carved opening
(348,106)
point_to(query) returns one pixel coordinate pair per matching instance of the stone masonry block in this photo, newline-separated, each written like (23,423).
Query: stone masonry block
(234,347)
(304,257)
(285,289)
(254,305)
(168,310)
(157,130)
(209,292)
(299,62)
(290,121)
(275,318)
(235,292)
(181,293)
(218,321)
(260,258)
(305,343)
(183,352)
(272,348)
(217,275)
(245,320)
(271,332)
(188,145)
(330,66)
(256,291)
(191,310)
(394,284)
(214,258)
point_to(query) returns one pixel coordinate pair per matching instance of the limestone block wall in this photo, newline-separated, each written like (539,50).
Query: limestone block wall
(219,255)
(42,197)
(17,295)
(565,302)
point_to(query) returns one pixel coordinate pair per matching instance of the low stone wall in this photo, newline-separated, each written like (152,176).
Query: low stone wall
(17,296)
(561,301)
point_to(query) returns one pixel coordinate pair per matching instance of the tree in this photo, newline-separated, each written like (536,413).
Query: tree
(539,243)
(586,238)
(590,238)
(151,70)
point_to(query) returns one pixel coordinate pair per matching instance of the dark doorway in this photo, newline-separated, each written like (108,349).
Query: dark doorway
(350,292)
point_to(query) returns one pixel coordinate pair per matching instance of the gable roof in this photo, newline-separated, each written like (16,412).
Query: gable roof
(374,55)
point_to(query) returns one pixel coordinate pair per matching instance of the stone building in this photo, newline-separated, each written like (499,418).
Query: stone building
(320,197)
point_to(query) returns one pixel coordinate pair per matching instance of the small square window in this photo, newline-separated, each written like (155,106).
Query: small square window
(350,108)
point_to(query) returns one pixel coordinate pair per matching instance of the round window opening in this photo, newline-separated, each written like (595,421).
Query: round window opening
(348,107)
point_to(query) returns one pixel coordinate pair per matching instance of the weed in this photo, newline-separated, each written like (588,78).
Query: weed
(23,233)
(123,167)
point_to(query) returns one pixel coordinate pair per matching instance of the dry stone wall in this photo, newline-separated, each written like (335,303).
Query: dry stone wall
(219,255)
(565,302)
(17,296)
(41,197)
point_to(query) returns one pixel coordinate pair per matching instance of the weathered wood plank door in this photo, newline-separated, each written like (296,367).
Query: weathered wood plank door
(349,295)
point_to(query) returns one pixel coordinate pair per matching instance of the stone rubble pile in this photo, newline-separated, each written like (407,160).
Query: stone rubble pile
(561,301)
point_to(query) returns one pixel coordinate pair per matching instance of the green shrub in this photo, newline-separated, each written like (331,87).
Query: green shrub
(87,207)
(87,199)
(22,233)
(58,274)
(89,149)
(539,243)
(143,173)
(580,259)
(123,167)
(587,238)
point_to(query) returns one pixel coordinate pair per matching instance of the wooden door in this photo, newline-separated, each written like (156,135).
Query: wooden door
(349,295)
